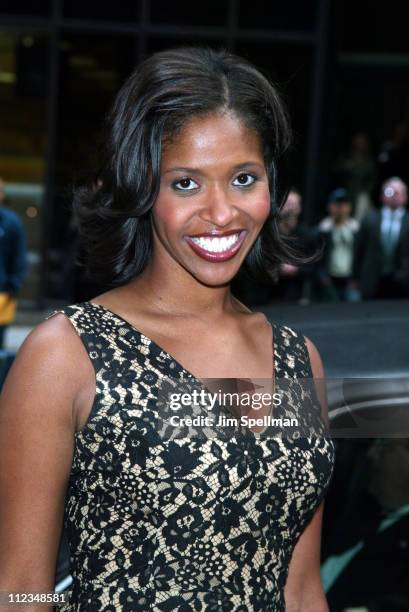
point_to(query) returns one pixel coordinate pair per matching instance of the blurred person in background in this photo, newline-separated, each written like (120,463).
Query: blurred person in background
(357,171)
(381,258)
(338,231)
(294,283)
(393,159)
(13,261)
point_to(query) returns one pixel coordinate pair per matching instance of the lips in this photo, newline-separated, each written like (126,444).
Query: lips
(217,247)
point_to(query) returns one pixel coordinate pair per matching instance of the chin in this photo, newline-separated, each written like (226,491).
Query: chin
(215,278)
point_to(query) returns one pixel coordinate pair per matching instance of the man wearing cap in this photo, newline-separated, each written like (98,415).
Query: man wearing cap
(338,231)
(381,258)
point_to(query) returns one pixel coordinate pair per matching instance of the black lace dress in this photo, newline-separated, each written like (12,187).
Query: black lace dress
(182,522)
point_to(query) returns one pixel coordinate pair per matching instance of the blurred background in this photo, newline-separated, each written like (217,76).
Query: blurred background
(343,67)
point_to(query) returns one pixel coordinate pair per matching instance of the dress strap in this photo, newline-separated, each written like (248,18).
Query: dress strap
(291,354)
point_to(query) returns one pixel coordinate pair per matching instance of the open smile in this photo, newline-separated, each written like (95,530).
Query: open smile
(217,248)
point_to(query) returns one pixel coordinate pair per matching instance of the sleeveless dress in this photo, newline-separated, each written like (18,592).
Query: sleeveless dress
(182,523)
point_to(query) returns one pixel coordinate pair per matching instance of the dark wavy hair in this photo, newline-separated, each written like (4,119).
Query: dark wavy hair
(158,98)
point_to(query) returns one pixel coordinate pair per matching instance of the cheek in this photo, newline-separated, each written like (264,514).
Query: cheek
(261,207)
(166,213)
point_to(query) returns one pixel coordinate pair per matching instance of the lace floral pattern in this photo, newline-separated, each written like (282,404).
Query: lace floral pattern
(191,523)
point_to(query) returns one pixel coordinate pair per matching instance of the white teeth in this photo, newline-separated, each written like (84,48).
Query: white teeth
(217,245)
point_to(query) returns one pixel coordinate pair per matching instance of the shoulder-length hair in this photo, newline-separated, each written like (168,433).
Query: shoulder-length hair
(166,90)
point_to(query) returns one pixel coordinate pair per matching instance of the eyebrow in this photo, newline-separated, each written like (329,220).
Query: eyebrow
(199,171)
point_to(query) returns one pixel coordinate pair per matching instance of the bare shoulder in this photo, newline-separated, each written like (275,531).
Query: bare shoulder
(52,343)
(49,333)
(50,361)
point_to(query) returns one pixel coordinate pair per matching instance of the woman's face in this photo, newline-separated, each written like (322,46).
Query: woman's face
(213,177)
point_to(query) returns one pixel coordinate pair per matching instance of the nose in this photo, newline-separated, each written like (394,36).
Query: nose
(219,208)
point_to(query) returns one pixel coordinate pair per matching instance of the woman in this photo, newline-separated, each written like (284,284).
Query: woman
(186,196)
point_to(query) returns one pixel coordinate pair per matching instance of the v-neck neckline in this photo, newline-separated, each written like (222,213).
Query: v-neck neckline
(169,355)
(180,367)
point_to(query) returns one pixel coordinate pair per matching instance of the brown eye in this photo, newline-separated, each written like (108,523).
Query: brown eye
(245,179)
(185,184)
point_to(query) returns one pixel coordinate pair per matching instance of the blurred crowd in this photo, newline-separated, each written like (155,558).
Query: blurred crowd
(363,241)
(357,259)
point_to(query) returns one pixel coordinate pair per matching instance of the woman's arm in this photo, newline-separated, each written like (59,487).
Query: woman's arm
(303,590)
(36,449)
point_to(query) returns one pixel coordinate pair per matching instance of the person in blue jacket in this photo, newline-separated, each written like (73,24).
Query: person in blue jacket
(13,252)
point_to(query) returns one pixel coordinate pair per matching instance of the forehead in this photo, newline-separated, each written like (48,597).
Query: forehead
(212,138)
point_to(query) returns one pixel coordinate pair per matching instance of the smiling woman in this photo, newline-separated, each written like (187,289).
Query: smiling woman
(214,192)
(166,93)
(160,517)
